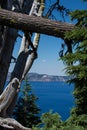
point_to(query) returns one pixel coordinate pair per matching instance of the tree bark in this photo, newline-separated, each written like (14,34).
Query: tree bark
(10,36)
(36,39)
(11,124)
(7,40)
(8,97)
(34,24)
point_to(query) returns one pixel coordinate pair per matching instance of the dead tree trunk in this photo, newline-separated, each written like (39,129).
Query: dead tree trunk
(29,23)
(22,66)
(7,98)
(10,36)
(34,24)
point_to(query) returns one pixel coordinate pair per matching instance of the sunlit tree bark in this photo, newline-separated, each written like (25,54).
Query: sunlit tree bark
(34,24)
(33,56)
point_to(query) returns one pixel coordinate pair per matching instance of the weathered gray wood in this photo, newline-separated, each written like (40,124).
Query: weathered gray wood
(12,124)
(6,98)
(34,24)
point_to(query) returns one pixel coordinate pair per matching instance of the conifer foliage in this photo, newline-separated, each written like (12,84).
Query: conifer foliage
(26,111)
(76,62)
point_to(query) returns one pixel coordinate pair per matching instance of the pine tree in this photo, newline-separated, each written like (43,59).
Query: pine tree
(77,61)
(26,111)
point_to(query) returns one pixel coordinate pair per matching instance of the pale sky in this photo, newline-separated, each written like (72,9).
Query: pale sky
(48,58)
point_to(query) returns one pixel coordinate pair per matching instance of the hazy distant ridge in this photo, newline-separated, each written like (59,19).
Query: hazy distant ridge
(43,77)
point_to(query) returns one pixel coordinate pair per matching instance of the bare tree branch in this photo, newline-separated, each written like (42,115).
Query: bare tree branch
(12,124)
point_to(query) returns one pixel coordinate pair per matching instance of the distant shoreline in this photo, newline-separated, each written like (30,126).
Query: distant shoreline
(43,77)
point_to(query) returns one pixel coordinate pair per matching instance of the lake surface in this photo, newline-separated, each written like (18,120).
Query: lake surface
(56,96)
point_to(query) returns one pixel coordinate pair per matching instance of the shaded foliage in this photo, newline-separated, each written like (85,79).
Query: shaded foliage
(76,62)
(26,110)
(52,121)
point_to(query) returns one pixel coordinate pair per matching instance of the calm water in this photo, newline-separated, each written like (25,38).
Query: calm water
(56,96)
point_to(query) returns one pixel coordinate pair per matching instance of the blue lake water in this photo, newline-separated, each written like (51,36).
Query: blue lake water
(56,96)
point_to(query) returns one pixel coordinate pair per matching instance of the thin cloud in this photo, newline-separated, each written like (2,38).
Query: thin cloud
(44,60)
